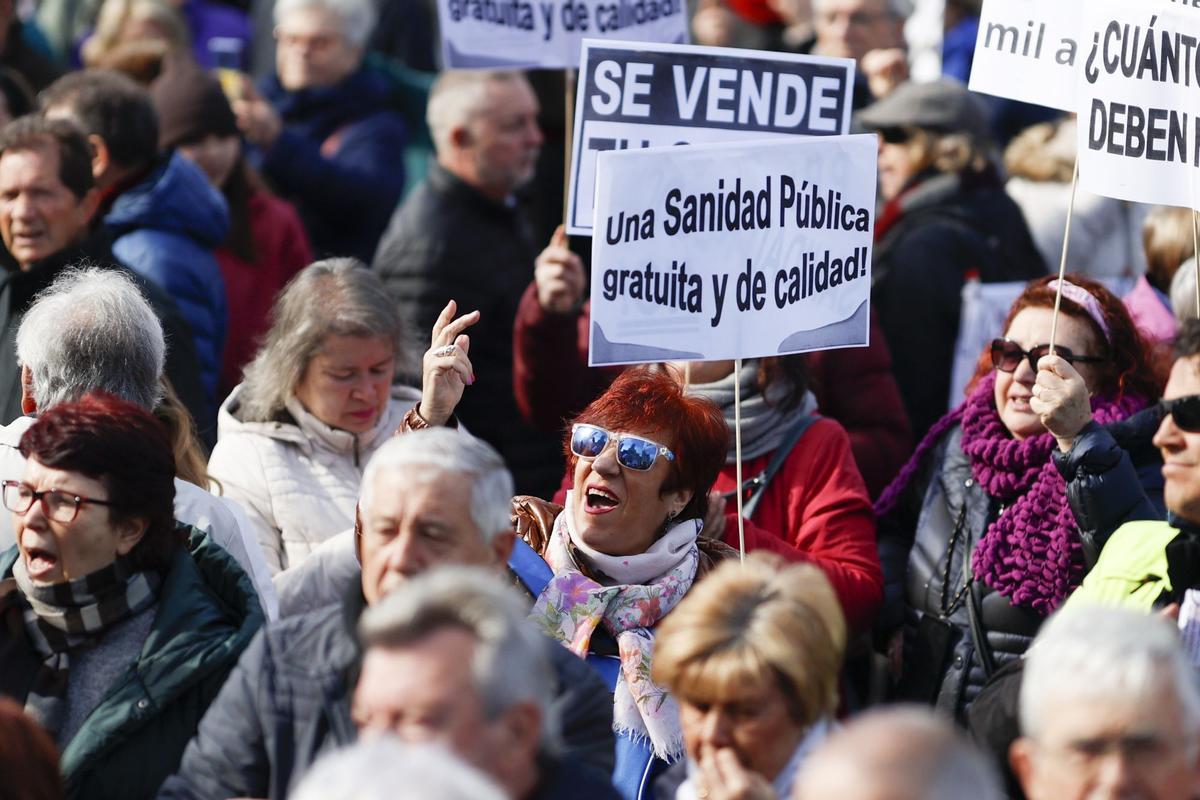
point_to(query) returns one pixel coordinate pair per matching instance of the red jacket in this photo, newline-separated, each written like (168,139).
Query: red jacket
(281,250)
(815,510)
(553,383)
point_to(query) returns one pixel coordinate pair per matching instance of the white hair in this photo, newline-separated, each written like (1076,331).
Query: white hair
(1094,653)
(92,330)
(384,768)
(1183,291)
(511,661)
(909,750)
(458,97)
(900,9)
(358,16)
(438,451)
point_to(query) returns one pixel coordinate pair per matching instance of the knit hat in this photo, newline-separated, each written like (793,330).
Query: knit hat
(190,105)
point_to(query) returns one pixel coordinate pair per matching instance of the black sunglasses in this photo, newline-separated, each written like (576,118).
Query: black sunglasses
(1185,411)
(895,135)
(1007,355)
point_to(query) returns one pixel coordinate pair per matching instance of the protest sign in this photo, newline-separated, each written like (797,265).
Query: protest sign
(519,34)
(638,96)
(1027,50)
(1139,102)
(725,251)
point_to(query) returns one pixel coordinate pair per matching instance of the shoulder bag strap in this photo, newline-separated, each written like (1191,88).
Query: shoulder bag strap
(758,484)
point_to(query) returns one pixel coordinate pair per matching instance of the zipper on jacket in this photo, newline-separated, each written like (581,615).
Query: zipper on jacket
(356,453)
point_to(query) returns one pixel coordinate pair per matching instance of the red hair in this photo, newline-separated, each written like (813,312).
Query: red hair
(28,757)
(1128,367)
(127,449)
(642,400)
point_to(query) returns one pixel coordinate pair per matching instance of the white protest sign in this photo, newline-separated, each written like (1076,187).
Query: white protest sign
(518,34)
(740,250)
(1028,50)
(1139,102)
(638,95)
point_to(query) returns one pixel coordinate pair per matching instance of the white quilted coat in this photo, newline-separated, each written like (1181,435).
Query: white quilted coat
(298,481)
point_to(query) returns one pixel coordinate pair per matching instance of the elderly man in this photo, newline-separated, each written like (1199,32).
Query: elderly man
(429,498)
(872,33)
(460,236)
(329,142)
(47,200)
(1110,708)
(93,331)
(897,754)
(450,658)
(164,217)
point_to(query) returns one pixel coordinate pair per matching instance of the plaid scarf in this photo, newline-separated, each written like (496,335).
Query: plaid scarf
(61,618)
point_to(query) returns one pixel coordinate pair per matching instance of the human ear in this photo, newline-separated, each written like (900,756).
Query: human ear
(523,728)
(1020,758)
(28,404)
(677,500)
(502,546)
(101,159)
(129,533)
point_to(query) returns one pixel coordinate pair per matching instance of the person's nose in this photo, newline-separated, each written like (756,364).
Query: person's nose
(606,463)
(22,208)
(404,554)
(715,730)
(1024,373)
(1115,775)
(536,137)
(1168,436)
(35,516)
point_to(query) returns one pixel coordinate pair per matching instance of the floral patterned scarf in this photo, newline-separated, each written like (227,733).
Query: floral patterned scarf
(573,605)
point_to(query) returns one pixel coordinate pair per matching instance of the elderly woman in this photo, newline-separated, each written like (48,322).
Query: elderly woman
(119,627)
(625,548)
(316,402)
(330,142)
(752,656)
(945,216)
(976,535)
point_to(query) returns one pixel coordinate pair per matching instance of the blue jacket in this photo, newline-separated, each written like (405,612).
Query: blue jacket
(340,160)
(165,229)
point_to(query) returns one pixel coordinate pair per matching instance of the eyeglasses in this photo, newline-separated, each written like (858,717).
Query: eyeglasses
(57,505)
(1185,411)
(895,135)
(633,452)
(1007,355)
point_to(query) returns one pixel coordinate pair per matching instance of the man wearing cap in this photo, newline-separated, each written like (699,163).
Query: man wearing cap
(946,217)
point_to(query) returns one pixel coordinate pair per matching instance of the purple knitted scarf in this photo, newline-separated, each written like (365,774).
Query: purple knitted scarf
(1031,553)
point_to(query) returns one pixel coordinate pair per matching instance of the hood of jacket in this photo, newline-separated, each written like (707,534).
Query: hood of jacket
(317,113)
(295,425)
(176,198)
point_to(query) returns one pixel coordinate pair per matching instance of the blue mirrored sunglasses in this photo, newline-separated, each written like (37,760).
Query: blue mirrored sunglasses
(633,452)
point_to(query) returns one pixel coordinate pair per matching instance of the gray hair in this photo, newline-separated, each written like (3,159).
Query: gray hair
(899,9)
(1094,653)
(908,750)
(458,97)
(444,450)
(358,16)
(334,297)
(511,663)
(92,330)
(384,768)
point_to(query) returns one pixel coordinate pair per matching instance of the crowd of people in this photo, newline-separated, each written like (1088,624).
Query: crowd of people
(310,492)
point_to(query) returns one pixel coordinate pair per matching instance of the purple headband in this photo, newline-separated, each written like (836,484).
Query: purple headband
(1084,298)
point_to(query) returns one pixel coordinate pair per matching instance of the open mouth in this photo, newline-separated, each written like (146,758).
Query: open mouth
(39,561)
(599,501)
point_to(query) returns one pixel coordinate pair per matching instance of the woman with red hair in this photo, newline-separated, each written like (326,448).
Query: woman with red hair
(625,548)
(977,538)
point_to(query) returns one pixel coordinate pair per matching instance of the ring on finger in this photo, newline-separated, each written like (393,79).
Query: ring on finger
(448,350)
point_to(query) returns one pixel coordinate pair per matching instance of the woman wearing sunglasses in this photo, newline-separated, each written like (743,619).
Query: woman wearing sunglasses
(117,628)
(978,540)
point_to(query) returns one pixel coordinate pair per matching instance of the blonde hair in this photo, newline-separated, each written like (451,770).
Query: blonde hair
(1167,239)
(746,624)
(1043,153)
(114,15)
(191,464)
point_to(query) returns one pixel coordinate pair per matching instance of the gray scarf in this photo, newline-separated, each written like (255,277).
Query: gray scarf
(61,618)
(763,424)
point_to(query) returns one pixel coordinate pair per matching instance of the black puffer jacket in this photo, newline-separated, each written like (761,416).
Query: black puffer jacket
(926,538)
(941,228)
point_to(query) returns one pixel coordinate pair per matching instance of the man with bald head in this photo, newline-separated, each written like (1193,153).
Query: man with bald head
(462,236)
(902,753)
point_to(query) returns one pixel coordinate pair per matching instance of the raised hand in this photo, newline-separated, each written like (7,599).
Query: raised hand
(1060,399)
(558,274)
(445,368)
